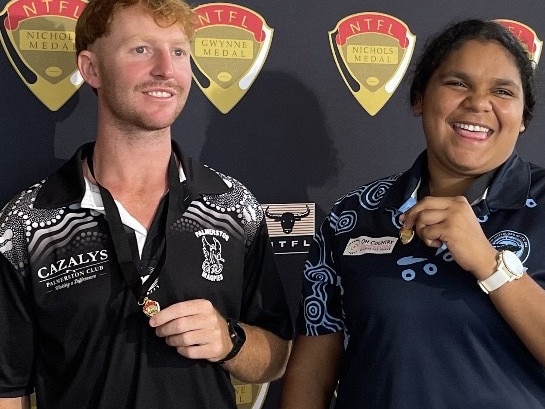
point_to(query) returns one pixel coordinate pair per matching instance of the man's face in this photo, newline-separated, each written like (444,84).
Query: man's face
(142,72)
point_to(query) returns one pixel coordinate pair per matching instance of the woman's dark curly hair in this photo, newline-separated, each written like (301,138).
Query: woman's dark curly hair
(453,37)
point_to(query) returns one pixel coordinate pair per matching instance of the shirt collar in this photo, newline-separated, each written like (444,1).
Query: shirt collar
(66,186)
(507,187)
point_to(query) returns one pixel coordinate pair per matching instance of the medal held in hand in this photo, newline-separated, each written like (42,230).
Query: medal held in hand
(150,307)
(406,235)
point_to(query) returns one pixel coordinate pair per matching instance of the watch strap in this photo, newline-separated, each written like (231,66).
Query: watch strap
(504,273)
(238,337)
(495,281)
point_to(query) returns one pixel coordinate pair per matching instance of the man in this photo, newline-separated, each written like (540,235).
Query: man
(130,228)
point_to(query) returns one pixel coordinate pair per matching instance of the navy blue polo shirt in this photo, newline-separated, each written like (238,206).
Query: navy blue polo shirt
(420,333)
(72,328)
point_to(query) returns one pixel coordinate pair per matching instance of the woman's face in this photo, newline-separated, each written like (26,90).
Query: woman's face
(472,110)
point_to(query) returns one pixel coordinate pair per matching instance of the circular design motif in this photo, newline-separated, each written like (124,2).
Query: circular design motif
(372,194)
(430,269)
(346,222)
(314,310)
(319,275)
(531,203)
(408,274)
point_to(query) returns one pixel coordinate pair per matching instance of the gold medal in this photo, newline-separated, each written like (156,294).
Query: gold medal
(150,307)
(406,235)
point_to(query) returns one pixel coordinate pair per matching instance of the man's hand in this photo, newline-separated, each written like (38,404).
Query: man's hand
(195,328)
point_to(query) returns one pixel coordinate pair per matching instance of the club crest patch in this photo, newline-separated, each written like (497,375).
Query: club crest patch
(212,265)
(513,241)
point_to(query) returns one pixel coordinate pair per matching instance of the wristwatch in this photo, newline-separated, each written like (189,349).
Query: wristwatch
(509,268)
(238,337)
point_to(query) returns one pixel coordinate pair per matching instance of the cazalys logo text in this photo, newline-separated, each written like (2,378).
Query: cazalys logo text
(81,266)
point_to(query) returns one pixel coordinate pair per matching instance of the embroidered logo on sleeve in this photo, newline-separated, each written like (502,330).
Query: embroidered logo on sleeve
(375,245)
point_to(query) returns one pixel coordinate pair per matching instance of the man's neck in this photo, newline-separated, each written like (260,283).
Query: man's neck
(134,171)
(126,164)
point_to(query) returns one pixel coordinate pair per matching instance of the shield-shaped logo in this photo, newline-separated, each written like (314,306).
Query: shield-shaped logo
(38,38)
(250,395)
(372,52)
(230,47)
(526,36)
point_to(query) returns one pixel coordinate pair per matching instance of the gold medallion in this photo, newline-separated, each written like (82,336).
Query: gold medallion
(406,235)
(150,307)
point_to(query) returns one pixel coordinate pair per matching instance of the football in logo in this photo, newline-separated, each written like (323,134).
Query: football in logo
(230,47)
(372,52)
(39,40)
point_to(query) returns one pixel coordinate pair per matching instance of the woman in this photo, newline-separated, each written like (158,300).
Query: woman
(425,289)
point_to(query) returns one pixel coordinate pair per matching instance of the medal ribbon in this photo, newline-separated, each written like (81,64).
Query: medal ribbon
(121,242)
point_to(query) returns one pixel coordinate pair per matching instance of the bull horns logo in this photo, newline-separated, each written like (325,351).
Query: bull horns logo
(291,226)
(287,219)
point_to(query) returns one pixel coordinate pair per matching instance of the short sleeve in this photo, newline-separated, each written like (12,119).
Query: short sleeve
(264,300)
(321,308)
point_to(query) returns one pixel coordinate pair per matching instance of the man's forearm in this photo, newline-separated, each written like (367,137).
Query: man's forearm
(263,357)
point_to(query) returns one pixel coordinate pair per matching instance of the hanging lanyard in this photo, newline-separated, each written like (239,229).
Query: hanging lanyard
(121,242)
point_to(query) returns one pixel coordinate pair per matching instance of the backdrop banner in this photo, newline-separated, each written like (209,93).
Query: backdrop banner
(302,101)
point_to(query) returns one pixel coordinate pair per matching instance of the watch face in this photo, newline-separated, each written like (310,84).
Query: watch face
(241,335)
(513,263)
(238,337)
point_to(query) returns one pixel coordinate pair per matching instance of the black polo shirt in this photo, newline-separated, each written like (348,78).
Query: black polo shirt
(420,333)
(75,331)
